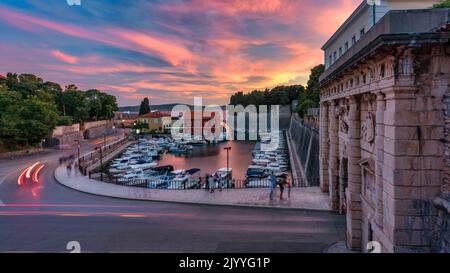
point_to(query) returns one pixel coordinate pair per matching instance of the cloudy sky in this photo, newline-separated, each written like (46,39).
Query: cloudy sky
(168,50)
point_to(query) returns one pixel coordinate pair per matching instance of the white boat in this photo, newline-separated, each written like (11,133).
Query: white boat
(184,179)
(132,175)
(225,173)
(143,165)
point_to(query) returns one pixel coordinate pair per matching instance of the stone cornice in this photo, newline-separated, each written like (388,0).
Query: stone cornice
(404,27)
(385,41)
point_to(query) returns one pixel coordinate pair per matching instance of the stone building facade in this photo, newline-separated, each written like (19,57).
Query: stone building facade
(385,133)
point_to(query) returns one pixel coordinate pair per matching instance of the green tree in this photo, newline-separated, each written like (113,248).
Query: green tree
(443,4)
(310,98)
(31,108)
(145,107)
(100,105)
(25,122)
(37,120)
(74,105)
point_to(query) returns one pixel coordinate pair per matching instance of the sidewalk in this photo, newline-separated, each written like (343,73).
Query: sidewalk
(301,198)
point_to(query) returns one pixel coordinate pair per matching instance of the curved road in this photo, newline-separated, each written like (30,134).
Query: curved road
(44,216)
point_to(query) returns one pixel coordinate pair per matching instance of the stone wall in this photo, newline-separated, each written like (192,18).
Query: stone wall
(306,144)
(63,136)
(98,131)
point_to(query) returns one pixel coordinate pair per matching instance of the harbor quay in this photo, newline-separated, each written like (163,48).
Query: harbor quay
(180,167)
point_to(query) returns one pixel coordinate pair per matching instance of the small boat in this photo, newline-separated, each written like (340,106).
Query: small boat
(143,165)
(184,179)
(255,171)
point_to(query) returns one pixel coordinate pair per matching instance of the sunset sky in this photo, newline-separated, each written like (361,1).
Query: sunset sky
(168,50)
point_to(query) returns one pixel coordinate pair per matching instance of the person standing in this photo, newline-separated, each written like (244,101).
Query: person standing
(273,185)
(206,182)
(211,182)
(218,181)
(282,186)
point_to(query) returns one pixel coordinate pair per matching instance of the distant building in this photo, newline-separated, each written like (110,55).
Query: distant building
(156,121)
(197,121)
(361,21)
(125,119)
(385,127)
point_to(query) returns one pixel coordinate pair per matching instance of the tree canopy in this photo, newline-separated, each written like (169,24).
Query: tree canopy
(145,107)
(443,4)
(310,98)
(280,95)
(284,95)
(30,108)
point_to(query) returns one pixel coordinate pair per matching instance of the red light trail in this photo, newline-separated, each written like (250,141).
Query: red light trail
(36,173)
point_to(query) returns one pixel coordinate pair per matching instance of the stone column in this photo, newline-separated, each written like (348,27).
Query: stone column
(379,146)
(354,234)
(333,168)
(324,147)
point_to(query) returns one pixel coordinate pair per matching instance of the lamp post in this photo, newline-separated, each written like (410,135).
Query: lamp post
(228,165)
(101,164)
(138,139)
(78,150)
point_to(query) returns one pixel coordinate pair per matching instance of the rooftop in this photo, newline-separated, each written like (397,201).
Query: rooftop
(154,115)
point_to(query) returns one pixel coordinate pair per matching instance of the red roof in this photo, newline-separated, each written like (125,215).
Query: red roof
(2,77)
(154,115)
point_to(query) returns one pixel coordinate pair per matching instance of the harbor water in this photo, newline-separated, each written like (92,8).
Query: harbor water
(209,158)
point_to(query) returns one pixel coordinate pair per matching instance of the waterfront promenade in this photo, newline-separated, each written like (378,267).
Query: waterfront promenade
(301,198)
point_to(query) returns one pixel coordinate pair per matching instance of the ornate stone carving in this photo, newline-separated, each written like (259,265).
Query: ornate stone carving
(342,112)
(343,126)
(368,128)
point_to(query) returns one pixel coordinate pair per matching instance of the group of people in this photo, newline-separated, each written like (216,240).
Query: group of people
(280,181)
(211,182)
(71,164)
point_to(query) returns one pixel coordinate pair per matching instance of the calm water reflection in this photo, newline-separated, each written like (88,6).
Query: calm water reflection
(209,158)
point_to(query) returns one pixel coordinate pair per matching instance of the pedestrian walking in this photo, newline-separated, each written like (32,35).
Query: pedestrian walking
(289,185)
(211,183)
(273,185)
(282,184)
(206,182)
(69,169)
(218,181)
(76,168)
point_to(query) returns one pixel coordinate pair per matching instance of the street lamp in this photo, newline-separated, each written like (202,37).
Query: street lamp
(101,164)
(228,165)
(78,150)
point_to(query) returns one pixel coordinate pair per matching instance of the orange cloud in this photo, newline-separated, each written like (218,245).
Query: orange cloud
(328,19)
(177,55)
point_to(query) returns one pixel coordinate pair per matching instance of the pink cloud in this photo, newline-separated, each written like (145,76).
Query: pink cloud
(64,57)
(176,54)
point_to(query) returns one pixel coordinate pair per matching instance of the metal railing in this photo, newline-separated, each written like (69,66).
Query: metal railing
(195,183)
(98,154)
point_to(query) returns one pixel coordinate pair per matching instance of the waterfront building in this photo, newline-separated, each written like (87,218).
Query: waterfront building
(385,129)
(125,119)
(156,121)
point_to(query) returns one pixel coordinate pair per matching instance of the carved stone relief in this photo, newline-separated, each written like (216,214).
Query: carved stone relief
(368,128)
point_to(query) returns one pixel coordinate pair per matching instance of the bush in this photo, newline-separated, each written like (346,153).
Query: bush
(64,121)
(443,4)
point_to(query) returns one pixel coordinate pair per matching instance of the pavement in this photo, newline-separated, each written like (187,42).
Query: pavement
(300,198)
(44,216)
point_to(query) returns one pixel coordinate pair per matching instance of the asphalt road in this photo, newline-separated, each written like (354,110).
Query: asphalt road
(46,216)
